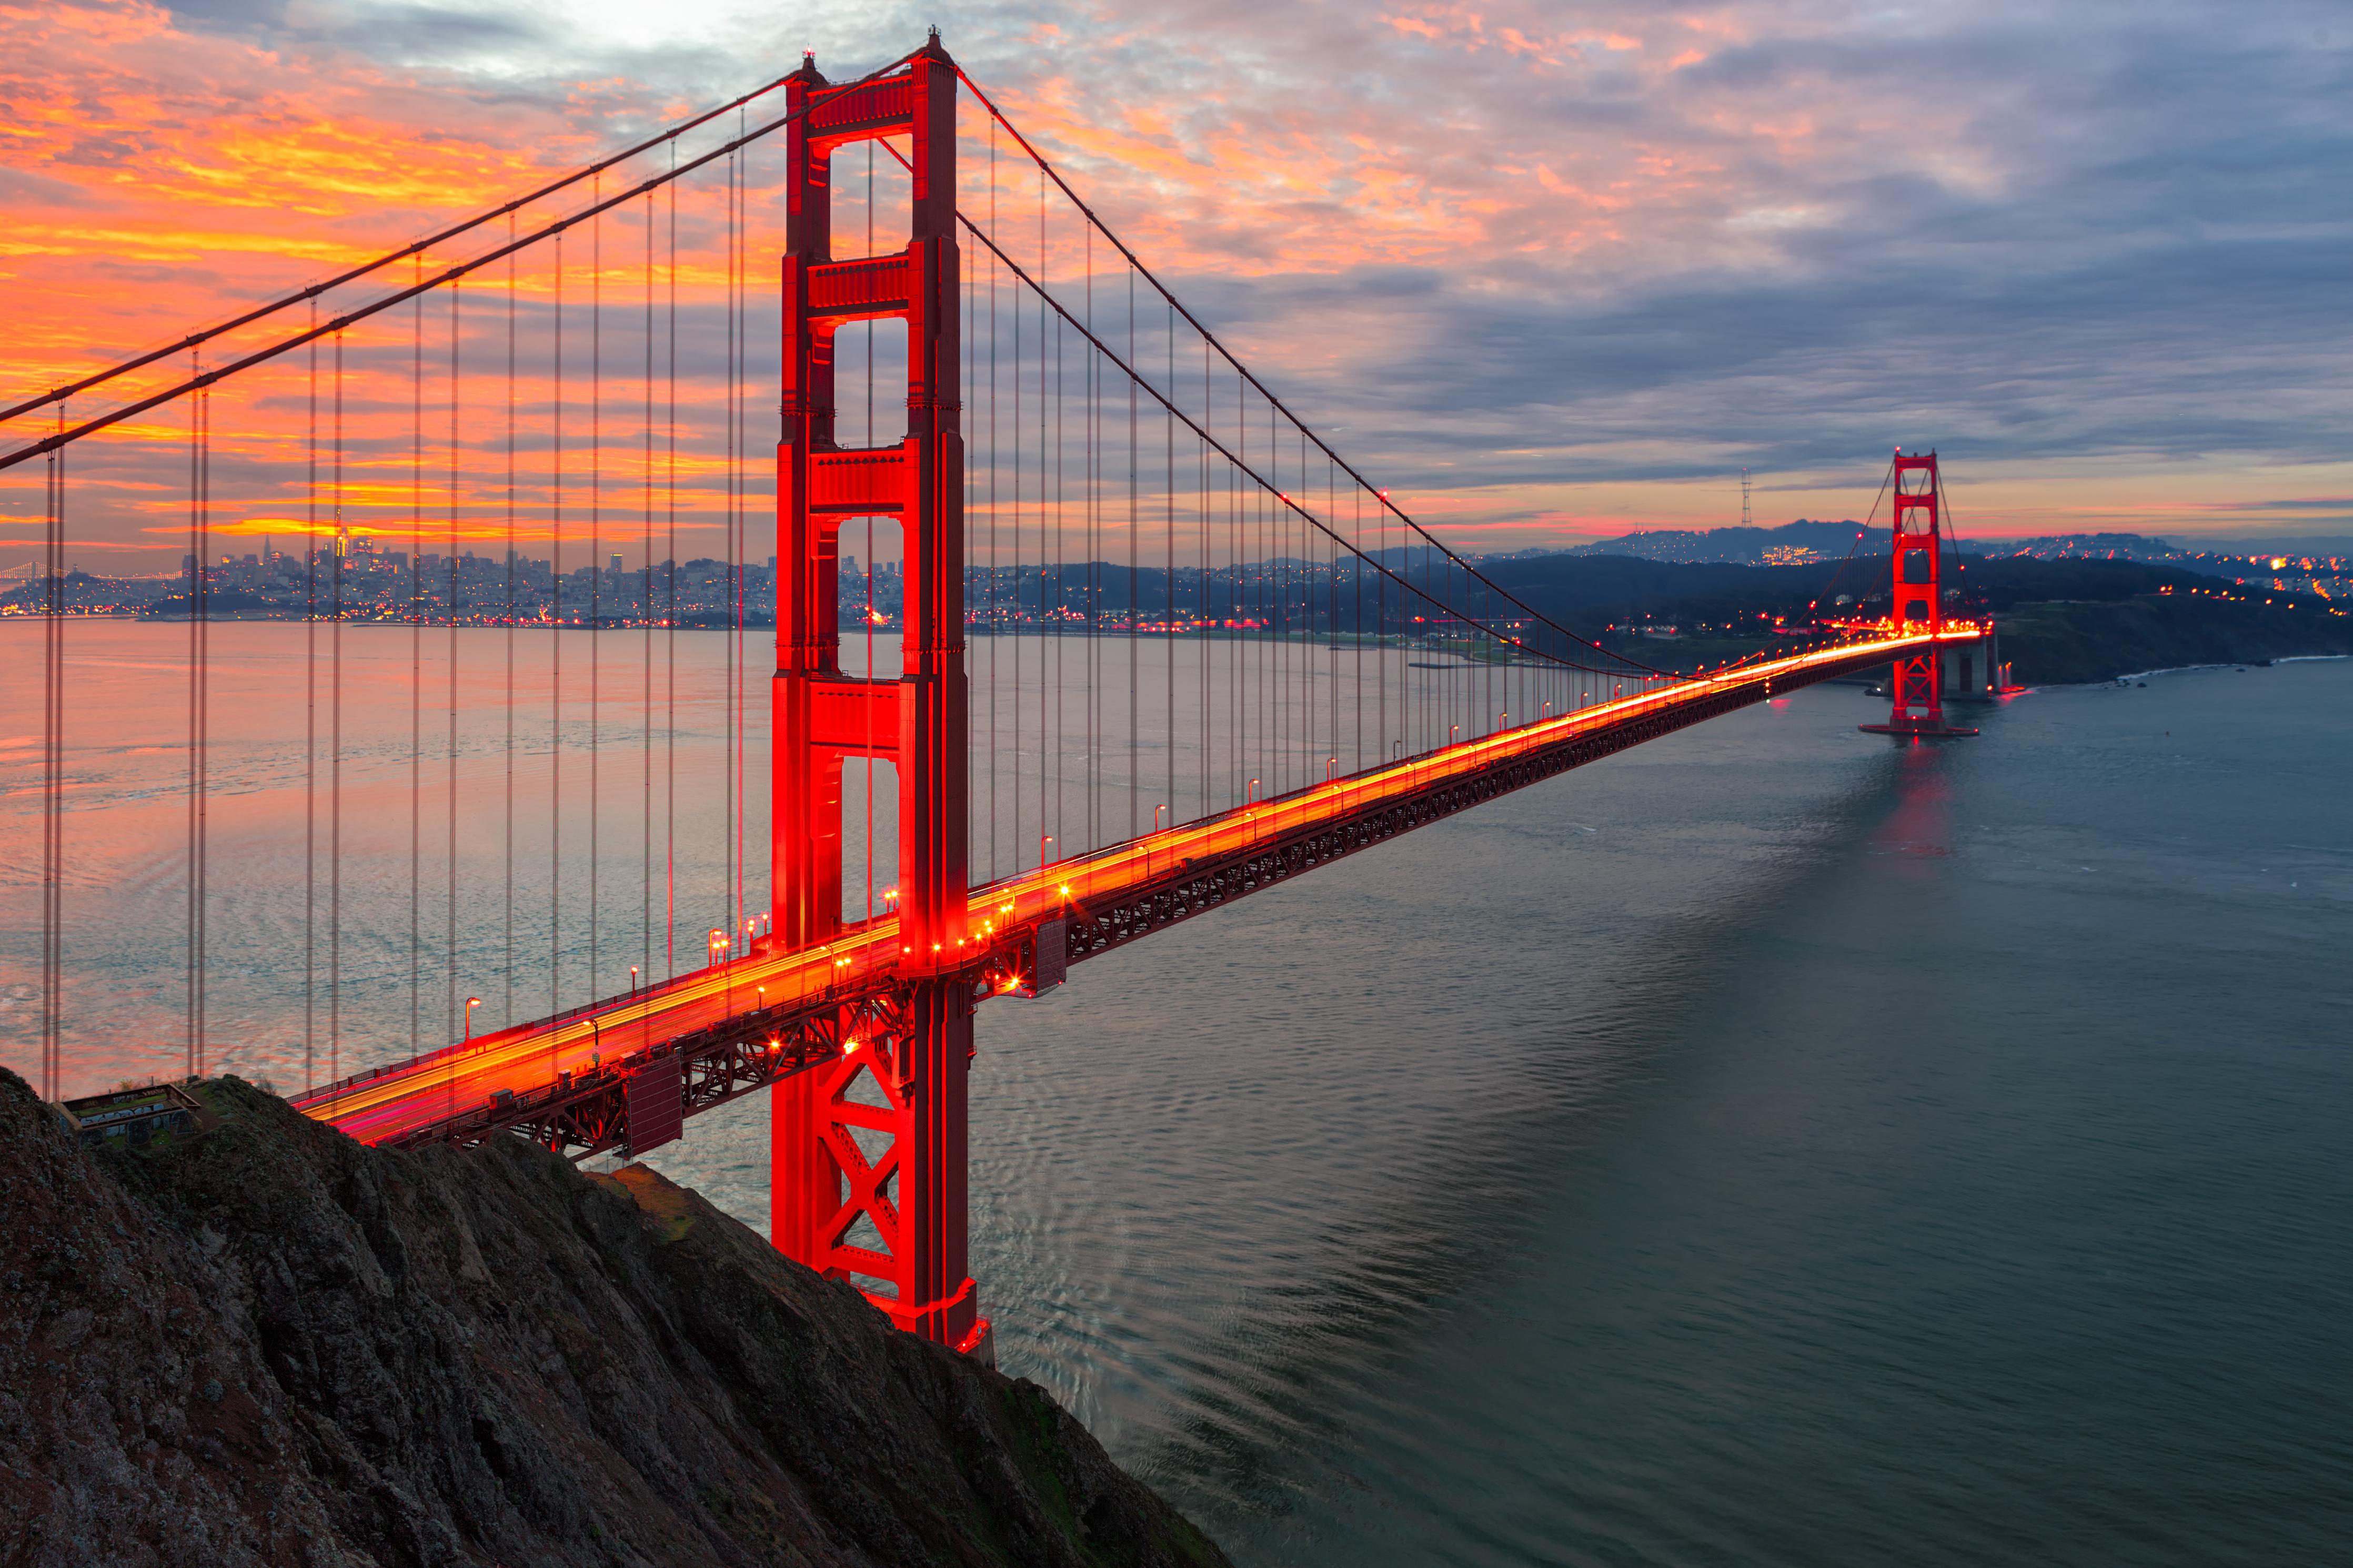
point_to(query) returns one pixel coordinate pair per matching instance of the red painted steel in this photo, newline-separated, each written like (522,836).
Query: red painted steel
(860,290)
(1023,931)
(863,1035)
(1917,687)
(888,1214)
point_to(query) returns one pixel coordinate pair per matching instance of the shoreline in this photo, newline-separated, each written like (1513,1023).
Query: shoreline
(2226,664)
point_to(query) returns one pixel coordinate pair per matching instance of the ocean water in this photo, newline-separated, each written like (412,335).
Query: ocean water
(1771,1145)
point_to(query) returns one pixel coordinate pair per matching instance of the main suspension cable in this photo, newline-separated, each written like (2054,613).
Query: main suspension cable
(1150,277)
(450,274)
(1291,505)
(418,249)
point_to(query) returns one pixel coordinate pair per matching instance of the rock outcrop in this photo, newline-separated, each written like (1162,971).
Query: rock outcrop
(265,1343)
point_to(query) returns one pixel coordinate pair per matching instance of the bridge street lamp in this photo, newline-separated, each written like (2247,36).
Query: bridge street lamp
(471,1002)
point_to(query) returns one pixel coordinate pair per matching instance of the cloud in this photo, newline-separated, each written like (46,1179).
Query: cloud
(1552,266)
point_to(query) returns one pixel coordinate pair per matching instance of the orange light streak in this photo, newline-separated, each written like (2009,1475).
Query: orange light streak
(865,959)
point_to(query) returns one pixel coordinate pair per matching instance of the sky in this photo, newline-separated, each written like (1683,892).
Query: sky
(1552,272)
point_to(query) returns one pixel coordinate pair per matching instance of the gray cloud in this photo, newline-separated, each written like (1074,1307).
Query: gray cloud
(2021,231)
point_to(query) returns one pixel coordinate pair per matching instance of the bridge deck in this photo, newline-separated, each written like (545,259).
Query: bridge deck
(1101,900)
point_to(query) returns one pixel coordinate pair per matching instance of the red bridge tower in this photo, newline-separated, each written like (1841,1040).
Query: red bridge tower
(1918,683)
(888,1210)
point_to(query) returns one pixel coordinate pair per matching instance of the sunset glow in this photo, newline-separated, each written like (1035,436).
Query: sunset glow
(1552,277)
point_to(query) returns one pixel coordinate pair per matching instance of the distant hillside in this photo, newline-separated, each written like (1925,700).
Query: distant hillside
(2212,556)
(1792,544)
(2068,619)
(2327,571)
(2083,547)
(1796,543)
(1614,588)
(2074,641)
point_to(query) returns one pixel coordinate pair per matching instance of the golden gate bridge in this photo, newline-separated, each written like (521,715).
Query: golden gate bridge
(1158,645)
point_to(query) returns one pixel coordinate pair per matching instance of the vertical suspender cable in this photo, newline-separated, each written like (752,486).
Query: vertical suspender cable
(1242,531)
(203,737)
(506,1010)
(1169,550)
(1381,654)
(740,236)
(555,649)
(727,681)
(311,735)
(995,623)
(1092,563)
(336,758)
(670,610)
(1061,726)
(197,546)
(1093,493)
(449,1024)
(53,721)
(595,574)
(195,572)
(416,661)
(1201,603)
(1134,720)
(1020,451)
(646,624)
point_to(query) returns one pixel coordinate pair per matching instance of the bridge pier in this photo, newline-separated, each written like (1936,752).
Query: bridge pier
(869,1157)
(1973,674)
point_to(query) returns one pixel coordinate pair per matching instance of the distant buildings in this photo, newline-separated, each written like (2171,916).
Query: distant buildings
(360,581)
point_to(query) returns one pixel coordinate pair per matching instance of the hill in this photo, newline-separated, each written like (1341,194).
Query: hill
(1790,544)
(265,1343)
(2060,621)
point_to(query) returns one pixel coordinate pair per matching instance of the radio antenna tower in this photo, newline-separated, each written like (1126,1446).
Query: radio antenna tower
(1744,498)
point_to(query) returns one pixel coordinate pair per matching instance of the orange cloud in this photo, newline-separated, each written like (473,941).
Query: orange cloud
(1491,152)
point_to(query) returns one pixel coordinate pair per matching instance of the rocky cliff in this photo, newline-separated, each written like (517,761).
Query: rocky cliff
(265,1343)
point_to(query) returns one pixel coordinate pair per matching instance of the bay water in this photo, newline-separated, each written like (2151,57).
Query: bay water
(1771,1145)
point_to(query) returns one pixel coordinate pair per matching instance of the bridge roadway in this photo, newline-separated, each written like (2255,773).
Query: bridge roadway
(564,1079)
